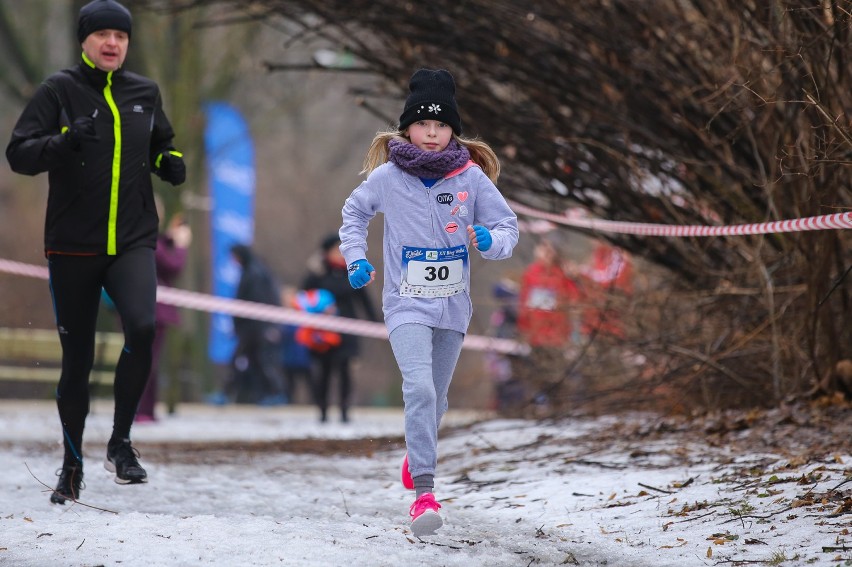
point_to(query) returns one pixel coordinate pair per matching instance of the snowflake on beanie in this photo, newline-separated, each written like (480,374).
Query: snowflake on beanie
(432,94)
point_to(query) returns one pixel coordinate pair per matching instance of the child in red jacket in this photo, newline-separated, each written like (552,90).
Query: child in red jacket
(545,304)
(546,297)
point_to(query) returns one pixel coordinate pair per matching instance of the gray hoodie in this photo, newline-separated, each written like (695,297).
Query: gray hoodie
(427,226)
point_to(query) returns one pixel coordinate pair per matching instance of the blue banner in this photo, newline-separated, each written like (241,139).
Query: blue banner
(230,163)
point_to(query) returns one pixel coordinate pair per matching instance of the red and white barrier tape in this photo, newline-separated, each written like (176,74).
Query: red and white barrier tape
(263,312)
(213,304)
(824,222)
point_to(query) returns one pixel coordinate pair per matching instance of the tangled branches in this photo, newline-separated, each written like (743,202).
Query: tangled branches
(674,111)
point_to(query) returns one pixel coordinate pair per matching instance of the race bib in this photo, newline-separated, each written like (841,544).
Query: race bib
(542,298)
(431,272)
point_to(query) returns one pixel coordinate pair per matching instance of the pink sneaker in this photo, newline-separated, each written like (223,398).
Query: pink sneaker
(424,515)
(407,481)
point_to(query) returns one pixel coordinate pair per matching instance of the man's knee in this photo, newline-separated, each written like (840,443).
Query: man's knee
(139,335)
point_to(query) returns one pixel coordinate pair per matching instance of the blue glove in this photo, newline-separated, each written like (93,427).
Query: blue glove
(483,237)
(359,273)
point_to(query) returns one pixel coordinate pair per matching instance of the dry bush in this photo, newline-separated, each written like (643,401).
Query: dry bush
(673,111)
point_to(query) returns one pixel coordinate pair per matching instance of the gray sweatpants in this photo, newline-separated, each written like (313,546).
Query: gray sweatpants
(426,358)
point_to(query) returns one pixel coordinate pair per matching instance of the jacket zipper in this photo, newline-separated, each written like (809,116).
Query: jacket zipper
(116,169)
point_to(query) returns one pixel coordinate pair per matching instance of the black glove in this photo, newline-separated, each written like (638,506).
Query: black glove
(82,130)
(170,167)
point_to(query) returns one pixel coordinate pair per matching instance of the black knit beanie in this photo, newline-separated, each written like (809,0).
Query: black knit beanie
(432,97)
(103,15)
(330,241)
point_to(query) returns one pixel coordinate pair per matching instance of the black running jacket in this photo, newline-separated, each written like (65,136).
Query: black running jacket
(100,198)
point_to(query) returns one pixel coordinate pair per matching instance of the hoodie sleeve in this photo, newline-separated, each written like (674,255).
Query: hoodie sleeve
(38,143)
(358,210)
(493,212)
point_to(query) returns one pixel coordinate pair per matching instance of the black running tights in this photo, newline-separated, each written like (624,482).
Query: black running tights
(130,280)
(330,363)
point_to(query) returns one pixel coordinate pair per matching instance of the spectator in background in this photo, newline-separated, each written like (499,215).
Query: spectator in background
(545,301)
(328,271)
(256,370)
(295,356)
(509,395)
(608,275)
(545,298)
(170,257)
(322,345)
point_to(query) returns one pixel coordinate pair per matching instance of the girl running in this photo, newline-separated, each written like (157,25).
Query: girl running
(436,191)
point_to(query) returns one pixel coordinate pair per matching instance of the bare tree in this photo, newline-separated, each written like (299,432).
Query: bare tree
(671,111)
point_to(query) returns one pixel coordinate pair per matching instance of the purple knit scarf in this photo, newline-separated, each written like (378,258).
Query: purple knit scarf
(429,165)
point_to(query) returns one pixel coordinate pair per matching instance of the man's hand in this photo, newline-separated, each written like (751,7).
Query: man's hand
(480,237)
(82,131)
(361,273)
(170,167)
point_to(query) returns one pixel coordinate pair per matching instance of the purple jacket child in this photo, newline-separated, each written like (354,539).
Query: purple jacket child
(170,258)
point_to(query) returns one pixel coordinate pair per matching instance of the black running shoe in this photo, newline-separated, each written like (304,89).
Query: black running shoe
(121,460)
(70,484)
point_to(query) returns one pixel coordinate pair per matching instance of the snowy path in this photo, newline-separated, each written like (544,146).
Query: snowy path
(514,493)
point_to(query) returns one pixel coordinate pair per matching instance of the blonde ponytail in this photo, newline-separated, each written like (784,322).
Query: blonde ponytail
(378,152)
(483,156)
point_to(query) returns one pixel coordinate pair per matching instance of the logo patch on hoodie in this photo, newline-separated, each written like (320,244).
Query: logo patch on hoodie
(451,227)
(138,108)
(444,198)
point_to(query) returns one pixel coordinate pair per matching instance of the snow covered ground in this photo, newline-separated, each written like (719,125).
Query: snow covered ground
(224,490)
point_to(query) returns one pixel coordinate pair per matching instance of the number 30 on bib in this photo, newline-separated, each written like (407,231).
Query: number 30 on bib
(431,272)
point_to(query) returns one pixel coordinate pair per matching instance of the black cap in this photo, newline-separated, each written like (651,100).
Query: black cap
(242,253)
(432,97)
(103,15)
(330,241)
